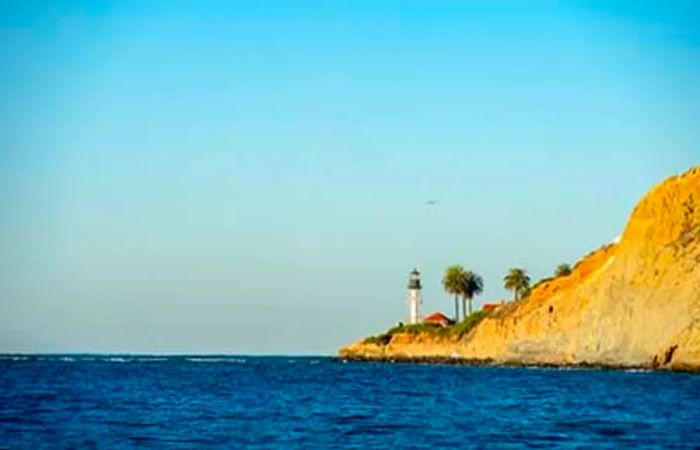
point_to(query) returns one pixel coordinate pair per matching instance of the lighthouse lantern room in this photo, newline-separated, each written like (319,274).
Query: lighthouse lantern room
(414,299)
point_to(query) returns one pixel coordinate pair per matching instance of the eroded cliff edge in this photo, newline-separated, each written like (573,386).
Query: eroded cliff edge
(633,303)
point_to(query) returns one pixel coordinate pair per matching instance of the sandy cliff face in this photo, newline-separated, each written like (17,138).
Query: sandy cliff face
(633,303)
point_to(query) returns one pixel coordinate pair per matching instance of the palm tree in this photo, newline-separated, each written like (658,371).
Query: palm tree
(453,282)
(525,292)
(562,270)
(473,286)
(517,281)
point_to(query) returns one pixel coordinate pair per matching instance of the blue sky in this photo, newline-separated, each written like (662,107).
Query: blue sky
(251,177)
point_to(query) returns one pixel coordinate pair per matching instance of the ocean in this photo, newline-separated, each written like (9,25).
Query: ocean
(117,401)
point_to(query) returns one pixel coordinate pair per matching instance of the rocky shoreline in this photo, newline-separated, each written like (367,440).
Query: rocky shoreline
(470,362)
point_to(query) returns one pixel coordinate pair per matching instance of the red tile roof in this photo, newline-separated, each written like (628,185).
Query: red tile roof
(491,306)
(438,318)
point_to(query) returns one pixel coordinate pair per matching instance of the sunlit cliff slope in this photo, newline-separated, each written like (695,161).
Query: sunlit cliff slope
(634,303)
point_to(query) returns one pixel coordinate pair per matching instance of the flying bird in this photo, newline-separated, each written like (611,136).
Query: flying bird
(431,202)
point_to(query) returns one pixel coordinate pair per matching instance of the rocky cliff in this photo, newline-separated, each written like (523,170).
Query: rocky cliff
(632,303)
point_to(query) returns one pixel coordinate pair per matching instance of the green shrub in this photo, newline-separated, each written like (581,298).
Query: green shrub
(562,270)
(380,339)
(462,328)
(416,328)
(451,331)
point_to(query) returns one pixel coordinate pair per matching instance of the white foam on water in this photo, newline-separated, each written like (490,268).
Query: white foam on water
(117,359)
(216,360)
(13,358)
(637,370)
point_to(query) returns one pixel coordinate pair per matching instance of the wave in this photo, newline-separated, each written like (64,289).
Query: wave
(13,358)
(128,358)
(214,359)
(638,370)
(85,358)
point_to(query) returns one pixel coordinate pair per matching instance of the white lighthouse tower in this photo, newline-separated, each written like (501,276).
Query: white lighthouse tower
(414,299)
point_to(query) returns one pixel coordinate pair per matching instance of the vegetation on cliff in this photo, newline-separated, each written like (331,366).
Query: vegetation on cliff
(562,270)
(450,332)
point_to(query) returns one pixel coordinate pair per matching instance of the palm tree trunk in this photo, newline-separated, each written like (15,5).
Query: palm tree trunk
(470,306)
(456,309)
(464,308)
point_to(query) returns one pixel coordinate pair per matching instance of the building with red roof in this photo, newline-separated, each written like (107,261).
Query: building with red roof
(438,318)
(492,306)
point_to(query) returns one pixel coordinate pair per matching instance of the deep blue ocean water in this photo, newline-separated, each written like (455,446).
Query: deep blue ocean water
(88,401)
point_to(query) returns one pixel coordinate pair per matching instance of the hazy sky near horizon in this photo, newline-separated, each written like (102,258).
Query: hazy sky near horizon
(251,177)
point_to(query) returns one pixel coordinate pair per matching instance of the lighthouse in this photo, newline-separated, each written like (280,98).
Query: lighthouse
(414,296)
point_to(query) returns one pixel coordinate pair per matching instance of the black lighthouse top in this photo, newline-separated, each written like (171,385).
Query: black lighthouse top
(414,280)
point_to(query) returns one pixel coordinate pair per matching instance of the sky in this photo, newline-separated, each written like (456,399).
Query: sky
(251,177)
